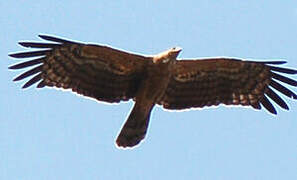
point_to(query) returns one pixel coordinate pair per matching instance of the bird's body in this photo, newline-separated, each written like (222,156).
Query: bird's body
(150,91)
(111,75)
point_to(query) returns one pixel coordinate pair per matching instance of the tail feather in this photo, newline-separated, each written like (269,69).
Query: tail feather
(135,128)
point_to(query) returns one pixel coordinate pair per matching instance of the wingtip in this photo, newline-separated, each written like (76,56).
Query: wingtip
(284,79)
(56,39)
(25,86)
(15,79)
(275,62)
(24,44)
(11,67)
(44,36)
(13,55)
(274,112)
(18,78)
(286,107)
(283,70)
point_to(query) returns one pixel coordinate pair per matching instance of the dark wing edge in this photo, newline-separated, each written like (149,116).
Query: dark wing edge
(275,78)
(40,56)
(272,82)
(100,72)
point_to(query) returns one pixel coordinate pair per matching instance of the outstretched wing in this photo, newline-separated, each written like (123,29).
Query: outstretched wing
(100,72)
(208,82)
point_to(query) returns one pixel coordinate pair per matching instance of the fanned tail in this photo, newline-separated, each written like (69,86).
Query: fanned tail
(135,128)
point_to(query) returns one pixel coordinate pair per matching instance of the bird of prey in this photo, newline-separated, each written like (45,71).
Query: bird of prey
(111,75)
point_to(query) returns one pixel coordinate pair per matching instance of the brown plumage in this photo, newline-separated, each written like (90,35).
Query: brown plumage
(111,75)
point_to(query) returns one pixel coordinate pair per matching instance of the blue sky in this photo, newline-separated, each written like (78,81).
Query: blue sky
(50,134)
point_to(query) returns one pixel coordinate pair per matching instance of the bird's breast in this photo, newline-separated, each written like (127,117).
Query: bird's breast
(154,85)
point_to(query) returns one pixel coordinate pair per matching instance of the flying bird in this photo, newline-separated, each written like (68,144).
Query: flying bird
(111,75)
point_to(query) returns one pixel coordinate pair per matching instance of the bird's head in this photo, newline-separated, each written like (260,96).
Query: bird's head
(167,56)
(173,52)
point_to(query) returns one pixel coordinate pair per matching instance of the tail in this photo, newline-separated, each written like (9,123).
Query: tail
(135,128)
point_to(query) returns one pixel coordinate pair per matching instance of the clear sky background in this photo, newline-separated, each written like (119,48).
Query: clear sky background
(50,134)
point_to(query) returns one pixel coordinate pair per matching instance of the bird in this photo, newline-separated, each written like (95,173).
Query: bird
(110,75)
